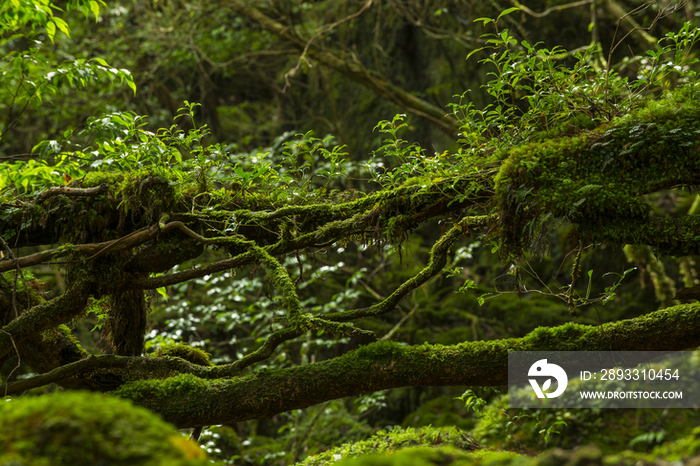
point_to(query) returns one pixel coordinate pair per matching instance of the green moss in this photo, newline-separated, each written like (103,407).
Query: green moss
(391,441)
(418,456)
(598,178)
(186,352)
(613,430)
(379,350)
(82,428)
(182,385)
(96,178)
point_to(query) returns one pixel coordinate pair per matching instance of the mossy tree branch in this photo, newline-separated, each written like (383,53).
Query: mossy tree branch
(189,401)
(596,180)
(44,316)
(199,396)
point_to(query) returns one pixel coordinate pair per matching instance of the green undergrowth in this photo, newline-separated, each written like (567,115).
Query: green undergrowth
(443,411)
(82,428)
(643,431)
(678,453)
(388,442)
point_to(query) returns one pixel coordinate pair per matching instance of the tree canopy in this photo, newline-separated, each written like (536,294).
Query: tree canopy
(243,268)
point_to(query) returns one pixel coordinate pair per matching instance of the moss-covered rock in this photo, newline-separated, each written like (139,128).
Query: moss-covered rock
(83,428)
(587,455)
(418,456)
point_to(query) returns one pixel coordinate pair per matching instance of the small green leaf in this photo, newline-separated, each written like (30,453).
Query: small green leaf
(95,8)
(475,51)
(131,84)
(590,283)
(51,30)
(485,20)
(507,12)
(161,291)
(62,25)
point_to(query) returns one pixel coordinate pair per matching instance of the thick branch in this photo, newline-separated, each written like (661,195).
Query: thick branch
(73,192)
(357,218)
(44,316)
(188,401)
(129,241)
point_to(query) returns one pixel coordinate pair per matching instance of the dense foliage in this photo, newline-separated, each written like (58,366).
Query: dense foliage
(280,241)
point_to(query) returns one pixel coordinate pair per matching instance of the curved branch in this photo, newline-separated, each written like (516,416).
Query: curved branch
(129,241)
(438,258)
(550,9)
(45,316)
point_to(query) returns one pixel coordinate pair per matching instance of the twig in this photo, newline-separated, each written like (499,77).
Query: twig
(400,323)
(551,9)
(574,276)
(323,30)
(17,275)
(19,359)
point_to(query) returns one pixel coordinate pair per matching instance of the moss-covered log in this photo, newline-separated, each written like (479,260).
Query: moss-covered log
(197,397)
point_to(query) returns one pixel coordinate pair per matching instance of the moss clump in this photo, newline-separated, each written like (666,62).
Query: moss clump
(140,391)
(597,181)
(391,441)
(83,428)
(420,456)
(186,352)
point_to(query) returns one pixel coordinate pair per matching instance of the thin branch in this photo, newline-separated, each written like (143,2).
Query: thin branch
(129,241)
(321,31)
(391,332)
(73,192)
(353,70)
(550,9)
(19,359)
(438,258)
